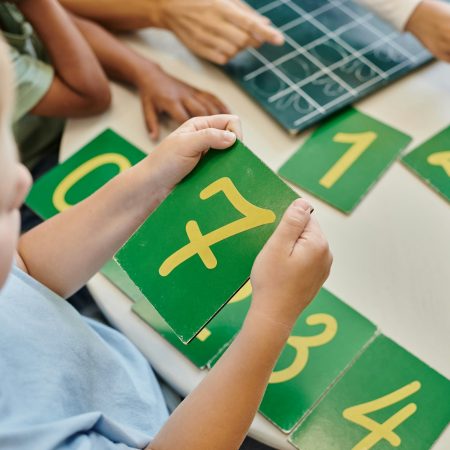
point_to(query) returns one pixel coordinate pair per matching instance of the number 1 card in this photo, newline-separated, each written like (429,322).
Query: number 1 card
(197,249)
(344,158)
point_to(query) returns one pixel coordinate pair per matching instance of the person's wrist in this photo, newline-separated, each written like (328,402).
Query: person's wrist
(257,317)
(156,13)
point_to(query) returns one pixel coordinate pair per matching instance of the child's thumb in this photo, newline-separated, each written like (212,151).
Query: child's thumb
(292,224)
(202,140)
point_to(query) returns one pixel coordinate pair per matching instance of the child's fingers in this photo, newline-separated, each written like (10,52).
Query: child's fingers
(177,111)
(195,107)
(228,122)
(199,142)
(292,225)
(151,118)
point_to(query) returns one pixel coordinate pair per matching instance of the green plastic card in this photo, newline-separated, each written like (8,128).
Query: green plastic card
(388,399)
(344,158)
(431,162)
(80,176)
(213,340)
(197,249)
(327,337)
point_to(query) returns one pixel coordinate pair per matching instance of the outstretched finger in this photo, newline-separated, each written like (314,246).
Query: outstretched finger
(151,118)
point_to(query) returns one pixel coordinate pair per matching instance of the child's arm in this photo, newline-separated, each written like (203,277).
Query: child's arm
(80,87)
(396,12)
(428,20)
(214,30)
(160,93)
(286,276)
(66,251)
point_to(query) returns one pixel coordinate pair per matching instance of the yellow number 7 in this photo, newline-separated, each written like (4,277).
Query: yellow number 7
(361,142)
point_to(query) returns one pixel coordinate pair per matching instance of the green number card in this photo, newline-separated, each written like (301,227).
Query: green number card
(197,249)
(343,158)
(80,176)
(431,162)
(326,339)
(213,340)
(388,399)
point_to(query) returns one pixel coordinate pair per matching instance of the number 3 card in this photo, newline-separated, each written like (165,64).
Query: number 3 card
(388,399)
(197,249)
(344,158)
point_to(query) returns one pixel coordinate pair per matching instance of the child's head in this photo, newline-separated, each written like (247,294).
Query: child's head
(15,180)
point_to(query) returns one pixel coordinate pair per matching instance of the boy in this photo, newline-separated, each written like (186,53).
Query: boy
(68,382)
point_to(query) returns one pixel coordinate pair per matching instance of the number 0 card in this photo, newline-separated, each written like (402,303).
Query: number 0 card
(197,249)
(344,158)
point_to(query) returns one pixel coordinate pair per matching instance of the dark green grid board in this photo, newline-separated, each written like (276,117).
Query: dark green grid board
(80,176)
(335,53)
(197,249)
(387,399)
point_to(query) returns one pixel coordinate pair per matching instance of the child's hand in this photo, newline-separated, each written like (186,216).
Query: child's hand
(291,267)
(180,152)
(161,93)
(430,23)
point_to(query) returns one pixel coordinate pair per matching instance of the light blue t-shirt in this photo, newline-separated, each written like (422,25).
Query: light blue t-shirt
(67,382)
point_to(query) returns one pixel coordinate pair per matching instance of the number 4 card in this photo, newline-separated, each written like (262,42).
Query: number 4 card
(431,161)
(344,158)
(388,399)
(197,249)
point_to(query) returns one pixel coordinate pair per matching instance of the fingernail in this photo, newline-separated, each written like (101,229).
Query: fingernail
(303,204)
(229,136)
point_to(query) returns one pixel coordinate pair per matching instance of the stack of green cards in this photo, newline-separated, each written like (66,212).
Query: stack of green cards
(213,340)
(344,158)
(387,399)
(327,337)
(431,162)
(197,249)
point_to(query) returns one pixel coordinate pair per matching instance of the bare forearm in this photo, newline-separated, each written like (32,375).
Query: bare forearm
(120,62)
(219,412)
(73,60)
(117,14)
(64,252)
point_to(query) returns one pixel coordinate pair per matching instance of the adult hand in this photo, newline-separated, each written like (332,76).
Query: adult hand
(217,29)
(162,93)
(180,152)
(291,267)
(430,23)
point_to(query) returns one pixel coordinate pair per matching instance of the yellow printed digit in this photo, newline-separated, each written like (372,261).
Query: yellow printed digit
(59,195)
(361,142)
(200,244)
(303,344)
(379,431)
(440,159)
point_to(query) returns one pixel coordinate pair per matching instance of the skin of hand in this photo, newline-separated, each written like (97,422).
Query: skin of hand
(163,94)
(216,29)
(159,92)
(291,268)
(430,23)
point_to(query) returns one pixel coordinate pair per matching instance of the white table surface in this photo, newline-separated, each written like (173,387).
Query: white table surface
(391,255)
